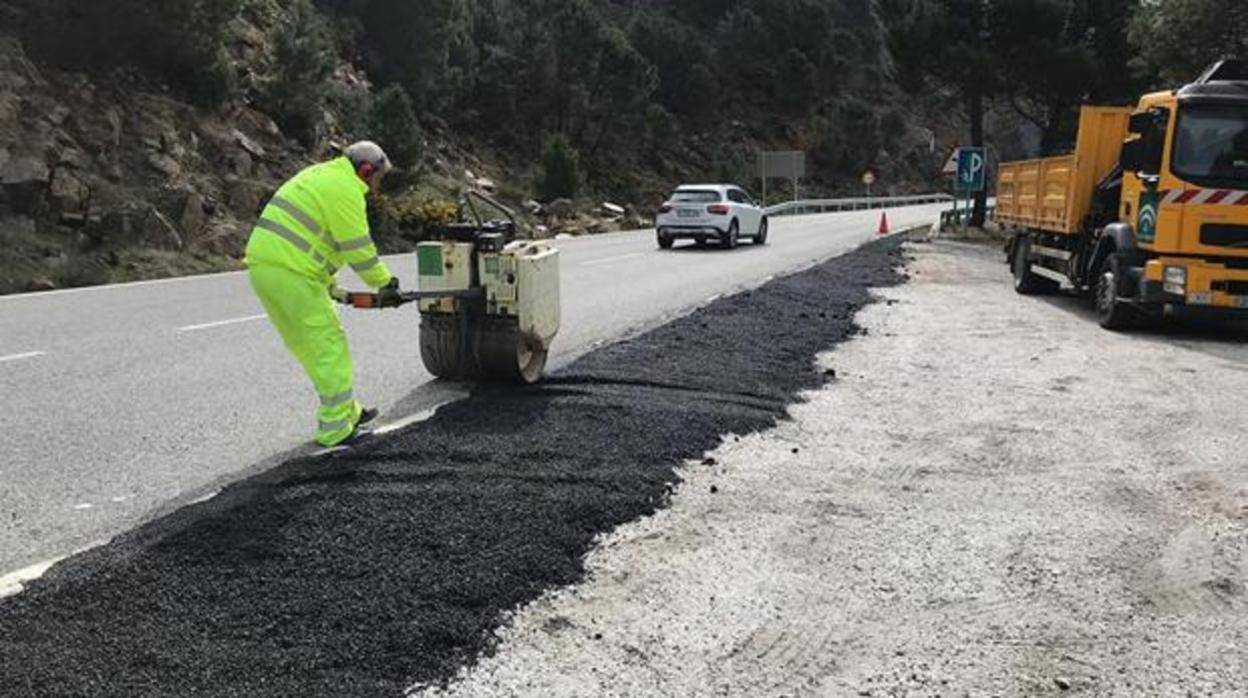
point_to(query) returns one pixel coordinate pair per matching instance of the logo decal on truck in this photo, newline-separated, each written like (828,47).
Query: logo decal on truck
(1146,225)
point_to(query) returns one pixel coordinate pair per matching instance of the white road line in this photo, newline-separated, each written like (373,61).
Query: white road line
(403,423)
(609,260)
(12,584)
(19,357)
(222,323)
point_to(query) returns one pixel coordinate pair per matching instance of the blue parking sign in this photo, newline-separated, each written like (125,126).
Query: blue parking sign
(972,169)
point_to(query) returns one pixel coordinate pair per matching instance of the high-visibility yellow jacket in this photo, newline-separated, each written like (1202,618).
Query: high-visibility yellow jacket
(316,224)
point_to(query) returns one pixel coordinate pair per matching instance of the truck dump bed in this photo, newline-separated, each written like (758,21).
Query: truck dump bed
(1054,194)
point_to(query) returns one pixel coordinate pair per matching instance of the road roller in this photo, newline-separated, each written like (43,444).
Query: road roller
(489,302)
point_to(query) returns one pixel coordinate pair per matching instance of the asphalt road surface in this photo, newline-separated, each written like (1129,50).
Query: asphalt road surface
(366,572)
(122,402)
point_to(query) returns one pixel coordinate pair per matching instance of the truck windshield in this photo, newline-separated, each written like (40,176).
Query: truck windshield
(1211,145)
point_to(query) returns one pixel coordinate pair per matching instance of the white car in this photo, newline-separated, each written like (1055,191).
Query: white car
(704,212)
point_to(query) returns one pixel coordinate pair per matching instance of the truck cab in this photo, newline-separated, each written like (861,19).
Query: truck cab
(1185,191)
(1150,213)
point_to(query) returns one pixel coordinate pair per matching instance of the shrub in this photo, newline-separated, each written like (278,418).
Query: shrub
(394,126)
(305,57)
(560,178)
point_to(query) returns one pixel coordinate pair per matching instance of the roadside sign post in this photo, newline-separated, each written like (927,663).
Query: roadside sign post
(868,178)
(970,177)
(781,164)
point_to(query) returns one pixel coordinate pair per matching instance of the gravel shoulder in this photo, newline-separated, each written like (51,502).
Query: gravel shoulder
(995,497)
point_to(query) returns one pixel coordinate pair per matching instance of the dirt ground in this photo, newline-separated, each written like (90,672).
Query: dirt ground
(996,497)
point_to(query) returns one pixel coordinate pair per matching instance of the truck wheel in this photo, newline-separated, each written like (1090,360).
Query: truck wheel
(1027,282)
(504,355)
(442,347)
(1112,313)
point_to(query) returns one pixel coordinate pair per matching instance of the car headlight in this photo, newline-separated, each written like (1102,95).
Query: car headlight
(1176,280)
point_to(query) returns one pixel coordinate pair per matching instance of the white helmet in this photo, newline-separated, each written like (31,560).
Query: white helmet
(368,153)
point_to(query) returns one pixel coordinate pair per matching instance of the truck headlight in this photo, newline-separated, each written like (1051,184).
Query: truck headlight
(1176,280)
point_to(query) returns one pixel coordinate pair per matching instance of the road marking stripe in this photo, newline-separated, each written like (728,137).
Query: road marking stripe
(609,260)
(13,583)
(222,323)
(404,423)
(19,357)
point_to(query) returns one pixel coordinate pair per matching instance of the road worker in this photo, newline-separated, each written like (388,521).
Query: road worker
(315,225)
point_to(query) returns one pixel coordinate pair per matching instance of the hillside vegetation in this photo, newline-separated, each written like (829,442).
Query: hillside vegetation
(138,139)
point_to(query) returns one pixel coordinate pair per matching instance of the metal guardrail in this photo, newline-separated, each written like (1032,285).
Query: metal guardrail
(800,208)
(963,215)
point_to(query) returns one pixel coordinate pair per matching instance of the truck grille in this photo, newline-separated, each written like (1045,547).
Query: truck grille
(1218,235)
(1235,288)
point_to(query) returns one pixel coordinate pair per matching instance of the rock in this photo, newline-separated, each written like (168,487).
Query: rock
(241,164)
(564,236)
(532,207)
(561,208)
(194,215)
(165,165)
(68,192)
(17,227)
(1062,683)
(613,210)
(59,114)
(40,283)
(245,197)
(486,184)
(253,148)
(541,230)
(24,182)
(113,116)
(10,109)
(72,157)
(710,461)
(159,231)
(468,175)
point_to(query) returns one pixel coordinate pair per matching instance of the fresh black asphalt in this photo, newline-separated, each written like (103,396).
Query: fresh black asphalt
(362,573)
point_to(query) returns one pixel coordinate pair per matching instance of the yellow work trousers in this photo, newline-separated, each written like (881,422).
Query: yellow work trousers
(304,315)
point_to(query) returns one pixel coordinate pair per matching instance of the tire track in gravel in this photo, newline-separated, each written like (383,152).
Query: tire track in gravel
(363,573)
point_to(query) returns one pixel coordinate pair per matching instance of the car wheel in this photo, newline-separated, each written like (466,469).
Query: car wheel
(731,239)
(761,237)
(665,241)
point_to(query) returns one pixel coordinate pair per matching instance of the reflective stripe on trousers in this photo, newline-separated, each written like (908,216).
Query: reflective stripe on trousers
(305,317)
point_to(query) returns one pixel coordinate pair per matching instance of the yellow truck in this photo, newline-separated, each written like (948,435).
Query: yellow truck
(1149,213)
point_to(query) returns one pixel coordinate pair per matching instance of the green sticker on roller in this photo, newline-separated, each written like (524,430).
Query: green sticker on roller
(429,260)
(491,265)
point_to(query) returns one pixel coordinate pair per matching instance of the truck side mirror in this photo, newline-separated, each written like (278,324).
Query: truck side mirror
(1132,158)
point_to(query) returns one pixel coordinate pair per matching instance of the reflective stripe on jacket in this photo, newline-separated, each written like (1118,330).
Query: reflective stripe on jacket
(316,224)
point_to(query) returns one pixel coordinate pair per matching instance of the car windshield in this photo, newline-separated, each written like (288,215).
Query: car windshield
(1211,144)
(692,196)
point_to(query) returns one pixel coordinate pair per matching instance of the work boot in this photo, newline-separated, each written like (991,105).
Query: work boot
(356,438)
(367,416)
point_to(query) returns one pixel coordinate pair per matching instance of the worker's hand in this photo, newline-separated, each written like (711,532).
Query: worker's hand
(338,293)
(389,296)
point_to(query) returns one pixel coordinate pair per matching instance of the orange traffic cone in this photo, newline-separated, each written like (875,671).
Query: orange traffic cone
(883,225)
